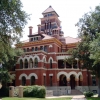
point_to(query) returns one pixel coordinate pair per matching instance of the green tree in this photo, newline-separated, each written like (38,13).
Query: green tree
(12,21)
(88,50)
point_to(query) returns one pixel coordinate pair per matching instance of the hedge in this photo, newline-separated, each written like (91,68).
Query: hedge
(34,91)
(4,92)
(88,94)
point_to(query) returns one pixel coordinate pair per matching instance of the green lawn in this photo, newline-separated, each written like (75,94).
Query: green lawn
(15,98)
(93,98)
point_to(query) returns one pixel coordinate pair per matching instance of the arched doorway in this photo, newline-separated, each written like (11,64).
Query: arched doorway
(72,81)
(62,80)
(23,81)
(32,80)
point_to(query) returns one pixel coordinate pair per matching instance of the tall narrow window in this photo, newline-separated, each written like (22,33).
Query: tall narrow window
(50,63)
(45,48)
(32,80)
(41,47)
(36,62)
(50,80)
(36,48)
(32,48)
(26,63)
(44,81)
(28,49)
(94,81)
(23,81)
(21,63)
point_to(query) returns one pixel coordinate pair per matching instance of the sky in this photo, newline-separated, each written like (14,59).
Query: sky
(69,11)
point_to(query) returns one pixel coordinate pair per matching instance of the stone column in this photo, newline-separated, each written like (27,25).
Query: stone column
(68,82)
(77,82)
(20,91)
(11,91)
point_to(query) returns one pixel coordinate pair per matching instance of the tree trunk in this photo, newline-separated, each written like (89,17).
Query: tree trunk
(99,87)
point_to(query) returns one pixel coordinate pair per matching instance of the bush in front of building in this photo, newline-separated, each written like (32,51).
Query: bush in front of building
(4,92)
(34,91)
(88,94)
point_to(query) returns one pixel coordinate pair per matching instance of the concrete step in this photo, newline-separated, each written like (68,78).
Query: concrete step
(76,92)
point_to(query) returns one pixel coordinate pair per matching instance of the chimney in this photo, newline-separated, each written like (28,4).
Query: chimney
(39,29)
(30,30)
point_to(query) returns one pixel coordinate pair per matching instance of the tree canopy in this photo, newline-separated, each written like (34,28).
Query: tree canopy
(12,22)
(88,50)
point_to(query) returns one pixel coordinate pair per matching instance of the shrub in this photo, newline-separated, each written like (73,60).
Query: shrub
(4,92)
(34,91)
(88,94)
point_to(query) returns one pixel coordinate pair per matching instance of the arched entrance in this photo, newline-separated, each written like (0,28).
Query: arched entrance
(32,80)
(72,81)
(62,80)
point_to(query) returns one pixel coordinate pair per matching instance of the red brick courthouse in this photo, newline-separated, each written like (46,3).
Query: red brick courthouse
(43,60)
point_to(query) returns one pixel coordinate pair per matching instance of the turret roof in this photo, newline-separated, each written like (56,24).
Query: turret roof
(50,9)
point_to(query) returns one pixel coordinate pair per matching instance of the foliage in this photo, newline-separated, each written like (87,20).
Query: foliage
(12,21)
(4,92)
(34,91)
(88,94)
(88,50)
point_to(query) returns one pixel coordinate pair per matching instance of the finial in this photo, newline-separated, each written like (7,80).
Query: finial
(50,6)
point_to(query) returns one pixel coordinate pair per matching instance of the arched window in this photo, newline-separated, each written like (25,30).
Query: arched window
(23,81)
(36,62)
(50,63)
(21,63)
(28,49)
(31,63)
(36,48)
(24,50)
(32,48)
(32,80)
(26,63)
(41,47)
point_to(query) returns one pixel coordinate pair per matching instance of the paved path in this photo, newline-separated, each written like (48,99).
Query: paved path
(79,97)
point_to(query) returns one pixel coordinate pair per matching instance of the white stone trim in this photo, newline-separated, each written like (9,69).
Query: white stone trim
(32,74)
(62,72)
(50,59)
(74,73)
(50,74)
(44,74)
(20,77)
(62,57)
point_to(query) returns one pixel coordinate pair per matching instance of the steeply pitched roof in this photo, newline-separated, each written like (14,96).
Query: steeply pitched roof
(50,9)
(71,40)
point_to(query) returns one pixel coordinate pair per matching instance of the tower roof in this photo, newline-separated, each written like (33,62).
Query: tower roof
(49,9)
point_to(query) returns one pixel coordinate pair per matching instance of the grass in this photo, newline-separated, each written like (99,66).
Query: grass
(93,98)
(16,98)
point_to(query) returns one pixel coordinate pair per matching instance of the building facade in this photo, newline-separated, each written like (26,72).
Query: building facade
(44,59)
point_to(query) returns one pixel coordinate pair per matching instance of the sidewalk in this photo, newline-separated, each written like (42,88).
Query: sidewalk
(74,97)
(79,97)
